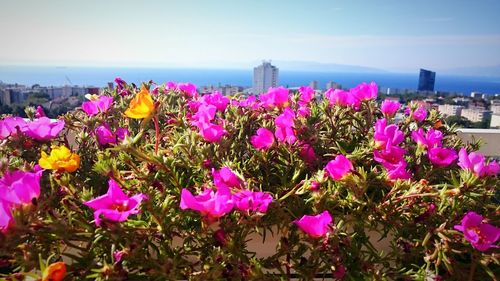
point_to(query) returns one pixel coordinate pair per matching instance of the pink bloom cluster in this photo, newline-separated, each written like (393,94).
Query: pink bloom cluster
(188,89)
(306,95)
(482,236)
(17,188)
(115,205)
(205,110)
(106,136)
(353,97)
(475,162)
(315,226)
(284,123)
(41,129)
(419,114)
(432,141)
(100,105)
(275,97)
(389,153)
(215,204)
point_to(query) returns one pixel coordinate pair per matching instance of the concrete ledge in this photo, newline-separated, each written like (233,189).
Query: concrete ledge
(490,138)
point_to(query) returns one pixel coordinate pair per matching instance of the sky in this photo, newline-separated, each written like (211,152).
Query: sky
(396,35)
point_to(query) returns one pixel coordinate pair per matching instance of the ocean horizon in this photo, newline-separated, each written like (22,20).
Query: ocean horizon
(100,76)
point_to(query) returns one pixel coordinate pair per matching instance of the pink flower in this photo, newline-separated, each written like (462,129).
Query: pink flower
(225,178)
(39,113)
(205,114)
(342,98)
(115,205)
(264,139)
(5,216)
(303,111)
(44,129)
(365,92)
(397,171)
(212,132)
(247,200)
(474,162)
(442,156)
(284,127)
(339,272)
(120,83)
(170,86)
(419,114)
(306,94)
(275,97)
(250,102)
(389,107)
(339,168)
(316,226)
(389,156)
(432,139)
(19,187)
(493,168)
(105,135)
(387,135)
(93,107)
(10,126)
(482,236)
(208,203)
(121,133)
(217,100)
(187,88)
(118,255)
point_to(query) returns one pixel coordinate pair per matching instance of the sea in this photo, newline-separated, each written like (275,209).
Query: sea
(100,76)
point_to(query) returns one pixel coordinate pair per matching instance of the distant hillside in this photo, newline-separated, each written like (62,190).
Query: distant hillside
(323,67)
(489,71)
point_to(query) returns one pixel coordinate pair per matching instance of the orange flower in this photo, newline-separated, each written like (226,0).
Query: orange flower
(141,106)
(60,159)
(54,272)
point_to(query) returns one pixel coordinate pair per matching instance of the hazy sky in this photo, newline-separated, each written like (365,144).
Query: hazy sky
(390,34)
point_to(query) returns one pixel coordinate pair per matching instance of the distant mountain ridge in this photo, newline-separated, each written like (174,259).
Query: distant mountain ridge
(310,66)
(488,71)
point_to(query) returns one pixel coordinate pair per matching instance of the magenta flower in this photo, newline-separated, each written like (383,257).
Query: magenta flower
(10,126)
(115,205)
(342,98)
(250,102)
(212,132)
(93,107)
(275,97)
(493,168)
(225,178)
(19,187)
(482,236)
(170,86)
(306,94)
(208,203)
(187,88)
(431,139)
(442,156)
(122,133)
(105,135)
(419,114)
(474,162)
(39,113)
(284,127)
(389,156)
(315,226)
(389,107)
(44,129)
(5,216)
(264,139)
(307,153)
(303,111)
(247,200)
(397,171)
(339,168)
(205,114)
(365,92)
(120,83)
(216,99)
(387,135)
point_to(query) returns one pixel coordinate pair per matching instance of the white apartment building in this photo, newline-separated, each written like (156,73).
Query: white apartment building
(495,108)
(495,121)
(450,109)
(476,114)
(264,77)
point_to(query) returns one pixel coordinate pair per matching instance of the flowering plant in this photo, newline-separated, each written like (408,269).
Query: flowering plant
(160,182)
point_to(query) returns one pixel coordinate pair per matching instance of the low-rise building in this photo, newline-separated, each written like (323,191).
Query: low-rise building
(450,109)
(476,114)
(495,121)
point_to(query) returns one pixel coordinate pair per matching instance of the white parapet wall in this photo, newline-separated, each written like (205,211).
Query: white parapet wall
(489,137)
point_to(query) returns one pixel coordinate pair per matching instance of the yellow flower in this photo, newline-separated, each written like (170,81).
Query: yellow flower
(60,159)
(141,105)
(54,272)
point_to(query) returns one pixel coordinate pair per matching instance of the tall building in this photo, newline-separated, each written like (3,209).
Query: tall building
(426,80)
(314,85)
(264,76)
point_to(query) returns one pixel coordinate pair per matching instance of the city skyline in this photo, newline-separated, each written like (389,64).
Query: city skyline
(390,35)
